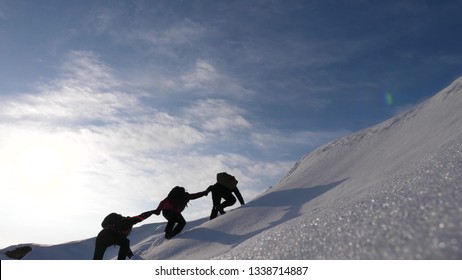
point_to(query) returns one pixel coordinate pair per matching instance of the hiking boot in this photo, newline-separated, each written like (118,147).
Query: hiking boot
(219,208)
(168,235)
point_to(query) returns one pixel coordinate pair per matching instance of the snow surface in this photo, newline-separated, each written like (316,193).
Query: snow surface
(392,191)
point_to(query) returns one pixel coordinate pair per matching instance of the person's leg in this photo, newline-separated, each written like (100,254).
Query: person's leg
(171,221)
(213,214)
(169,226)
(100,249)
(229,199)
(181,222)
(216,199)
(169,229)
(101,243)
(124,244)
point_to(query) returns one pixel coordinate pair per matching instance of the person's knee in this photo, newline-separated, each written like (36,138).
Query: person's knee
(231,200)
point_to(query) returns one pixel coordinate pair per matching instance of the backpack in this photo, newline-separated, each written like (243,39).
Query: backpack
(227,180)
(111,220)
(178,196)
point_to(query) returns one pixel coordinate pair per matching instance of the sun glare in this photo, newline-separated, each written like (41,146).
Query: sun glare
(42,163)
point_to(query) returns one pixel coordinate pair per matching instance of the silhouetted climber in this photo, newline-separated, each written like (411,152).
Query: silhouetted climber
(171,208)
(115,230)
(224,188)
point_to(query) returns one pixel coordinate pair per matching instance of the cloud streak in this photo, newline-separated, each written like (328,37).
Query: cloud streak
(217,116)
(84,93)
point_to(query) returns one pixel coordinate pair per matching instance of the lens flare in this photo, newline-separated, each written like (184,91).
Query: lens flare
(389,98)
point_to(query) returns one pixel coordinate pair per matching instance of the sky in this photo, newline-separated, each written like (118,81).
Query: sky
(107,105)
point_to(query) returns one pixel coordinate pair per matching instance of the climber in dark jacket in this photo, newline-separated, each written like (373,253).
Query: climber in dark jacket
(224,188)
(172,206)
(115,233)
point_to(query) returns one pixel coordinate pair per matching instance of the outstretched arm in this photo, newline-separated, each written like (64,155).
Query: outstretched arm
(146,215)
(198,195)
(238,195)
(159,208)
(142,216)
(130,221)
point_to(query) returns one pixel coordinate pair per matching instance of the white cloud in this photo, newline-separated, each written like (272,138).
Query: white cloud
(217,115)
(207,80)
(148,136)
(70,102)
(201,79)
(200,76)
(85,69)
(85,92)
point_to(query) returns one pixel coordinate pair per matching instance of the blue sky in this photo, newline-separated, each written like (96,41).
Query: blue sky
(106,105)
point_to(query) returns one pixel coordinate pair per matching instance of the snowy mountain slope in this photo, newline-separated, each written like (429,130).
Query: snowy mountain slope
(401,197)
(391,191)
(413,214)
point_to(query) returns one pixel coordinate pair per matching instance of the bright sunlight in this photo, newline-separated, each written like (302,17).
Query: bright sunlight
(40,162)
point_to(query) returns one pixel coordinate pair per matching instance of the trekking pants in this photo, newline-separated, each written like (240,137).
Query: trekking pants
(173,218)
(219,192)
(107,238)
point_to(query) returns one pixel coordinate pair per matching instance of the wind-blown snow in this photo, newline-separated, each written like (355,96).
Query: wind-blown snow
(392,191)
